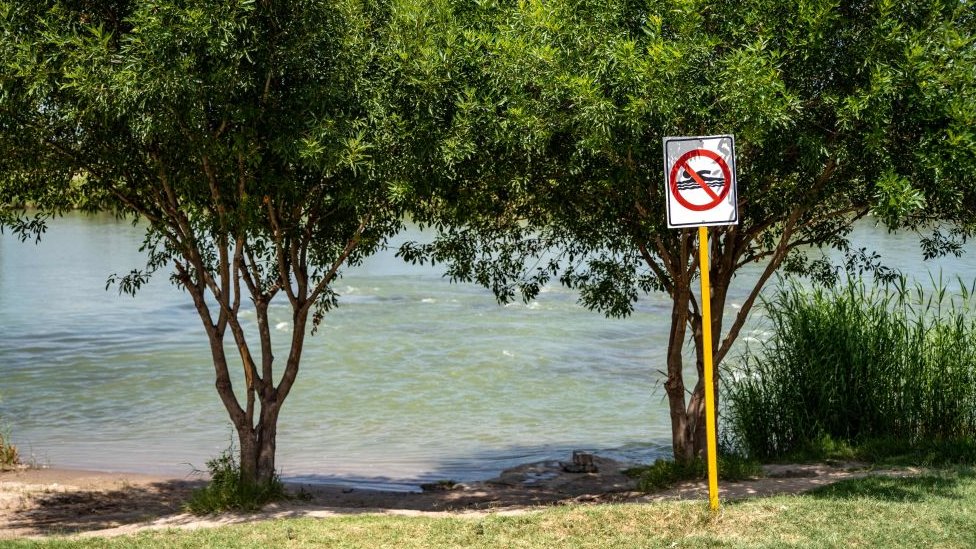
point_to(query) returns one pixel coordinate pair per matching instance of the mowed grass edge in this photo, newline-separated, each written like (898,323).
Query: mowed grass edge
(936,509)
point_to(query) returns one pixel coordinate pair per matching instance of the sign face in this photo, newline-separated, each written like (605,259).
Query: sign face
(699,182)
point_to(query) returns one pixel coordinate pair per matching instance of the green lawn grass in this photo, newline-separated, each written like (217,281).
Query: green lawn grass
(933,510)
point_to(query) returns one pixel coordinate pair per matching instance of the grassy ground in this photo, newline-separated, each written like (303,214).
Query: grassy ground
(934,510)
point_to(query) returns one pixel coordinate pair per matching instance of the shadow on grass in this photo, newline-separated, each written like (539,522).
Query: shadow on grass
(948,485)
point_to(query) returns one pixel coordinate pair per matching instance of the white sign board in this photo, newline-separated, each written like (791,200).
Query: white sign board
(699,181)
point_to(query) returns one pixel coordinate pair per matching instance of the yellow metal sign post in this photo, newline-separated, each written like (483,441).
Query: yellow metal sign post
(700,185)
(710,430)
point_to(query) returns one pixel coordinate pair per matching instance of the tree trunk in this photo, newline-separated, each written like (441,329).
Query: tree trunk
(257,451)
(688,427)
(257,442)
(682,426)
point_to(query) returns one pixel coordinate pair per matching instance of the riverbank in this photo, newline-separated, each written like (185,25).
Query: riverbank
(45,502)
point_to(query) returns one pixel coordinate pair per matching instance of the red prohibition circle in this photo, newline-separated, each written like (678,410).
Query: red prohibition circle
(682,164)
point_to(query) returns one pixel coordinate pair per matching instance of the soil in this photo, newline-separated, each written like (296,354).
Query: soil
(44,502)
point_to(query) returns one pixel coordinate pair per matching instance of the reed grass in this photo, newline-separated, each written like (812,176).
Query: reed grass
(855,364)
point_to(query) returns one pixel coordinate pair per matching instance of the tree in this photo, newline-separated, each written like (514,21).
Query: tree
(249,136)
(553,154)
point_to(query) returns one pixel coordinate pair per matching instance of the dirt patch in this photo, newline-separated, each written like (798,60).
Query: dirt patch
(58,501)
(44,502)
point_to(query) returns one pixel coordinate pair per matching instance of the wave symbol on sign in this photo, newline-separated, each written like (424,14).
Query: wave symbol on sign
(688,183)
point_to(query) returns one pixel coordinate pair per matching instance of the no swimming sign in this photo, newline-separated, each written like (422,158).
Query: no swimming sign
(700,185)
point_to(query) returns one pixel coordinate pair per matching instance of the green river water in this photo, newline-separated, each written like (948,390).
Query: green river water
(411,378)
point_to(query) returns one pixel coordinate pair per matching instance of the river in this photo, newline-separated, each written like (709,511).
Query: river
(410,379)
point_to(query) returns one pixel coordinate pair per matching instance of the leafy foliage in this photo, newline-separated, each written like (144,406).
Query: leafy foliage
(839,106)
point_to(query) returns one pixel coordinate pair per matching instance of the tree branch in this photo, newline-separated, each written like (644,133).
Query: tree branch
(778,256)
(330,275)
(283,257)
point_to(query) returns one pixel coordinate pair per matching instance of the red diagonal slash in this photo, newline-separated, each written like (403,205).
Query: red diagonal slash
(701,182)
(683,164)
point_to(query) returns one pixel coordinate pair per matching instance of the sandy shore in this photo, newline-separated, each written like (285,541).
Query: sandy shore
(50,501)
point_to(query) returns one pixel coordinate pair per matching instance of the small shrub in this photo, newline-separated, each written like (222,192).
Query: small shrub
(663,474)
(229,491)
(9,456)
(824,449)
(735,467)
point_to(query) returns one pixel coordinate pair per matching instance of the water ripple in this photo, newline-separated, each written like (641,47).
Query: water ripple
(411,379)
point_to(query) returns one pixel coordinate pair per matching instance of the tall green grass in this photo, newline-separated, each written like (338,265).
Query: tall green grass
(855,364)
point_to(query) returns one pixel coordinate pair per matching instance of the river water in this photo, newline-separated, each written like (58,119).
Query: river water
(410,379)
